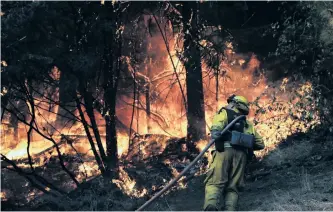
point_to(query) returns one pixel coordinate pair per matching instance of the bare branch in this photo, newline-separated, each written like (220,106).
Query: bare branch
(173,64)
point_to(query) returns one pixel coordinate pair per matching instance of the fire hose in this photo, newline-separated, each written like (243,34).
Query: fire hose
(168,186)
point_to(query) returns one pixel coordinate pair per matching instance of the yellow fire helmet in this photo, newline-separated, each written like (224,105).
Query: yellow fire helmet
(240,102)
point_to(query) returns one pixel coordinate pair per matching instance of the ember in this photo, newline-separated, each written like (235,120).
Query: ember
(3,195)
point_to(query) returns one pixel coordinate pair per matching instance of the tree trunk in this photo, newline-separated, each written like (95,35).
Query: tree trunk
(13,121)
(110,104)
(147,91)
(90,112)
(66,102)
(90,139)
(110,119)
(137,108)
(111,70)
(196,128)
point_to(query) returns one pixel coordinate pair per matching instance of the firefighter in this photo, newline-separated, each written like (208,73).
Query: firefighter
(225,176)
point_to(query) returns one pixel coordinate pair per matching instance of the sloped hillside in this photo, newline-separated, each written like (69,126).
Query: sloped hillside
(296,176)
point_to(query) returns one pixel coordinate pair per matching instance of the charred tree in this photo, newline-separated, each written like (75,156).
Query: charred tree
(14,123)
(110,94)
(66,99)
(147,92)
(90,139)
(111,71)
(137,103)
(88,101)
(196,128)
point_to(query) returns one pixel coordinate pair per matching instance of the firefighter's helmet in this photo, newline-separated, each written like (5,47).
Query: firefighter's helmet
(240,102)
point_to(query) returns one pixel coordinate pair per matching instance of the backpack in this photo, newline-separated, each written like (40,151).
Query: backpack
(238,126)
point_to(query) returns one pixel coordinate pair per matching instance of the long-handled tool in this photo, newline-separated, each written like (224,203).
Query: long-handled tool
(188,167)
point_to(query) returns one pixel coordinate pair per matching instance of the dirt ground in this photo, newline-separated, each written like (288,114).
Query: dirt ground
(282,181)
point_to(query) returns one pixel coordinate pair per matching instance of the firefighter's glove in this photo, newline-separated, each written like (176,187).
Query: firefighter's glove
(215,134)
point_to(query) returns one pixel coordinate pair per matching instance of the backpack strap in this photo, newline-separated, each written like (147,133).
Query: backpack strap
(238,126)
(231,114)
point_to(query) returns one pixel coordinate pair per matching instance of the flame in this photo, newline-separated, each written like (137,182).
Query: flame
(55,73)
(4,91)
(127,184)
(283,84)
(3,195)
(88,170)
(4,63)
(181,184)
(202,144)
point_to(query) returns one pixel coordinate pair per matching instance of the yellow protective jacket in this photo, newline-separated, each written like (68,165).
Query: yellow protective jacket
(220,120)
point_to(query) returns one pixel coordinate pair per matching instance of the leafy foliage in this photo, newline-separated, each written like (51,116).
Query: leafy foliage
(305,47)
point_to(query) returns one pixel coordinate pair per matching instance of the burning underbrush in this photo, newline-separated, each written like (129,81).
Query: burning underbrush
(136,179)
(142,172)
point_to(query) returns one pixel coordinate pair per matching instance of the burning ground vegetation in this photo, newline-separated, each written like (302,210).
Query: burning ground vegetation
(157,150)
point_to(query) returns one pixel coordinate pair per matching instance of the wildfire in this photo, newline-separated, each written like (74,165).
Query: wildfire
(274,108)
(88,170)
(201,144)
(127,185)
(3,195)
(20,151)
(181,184)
